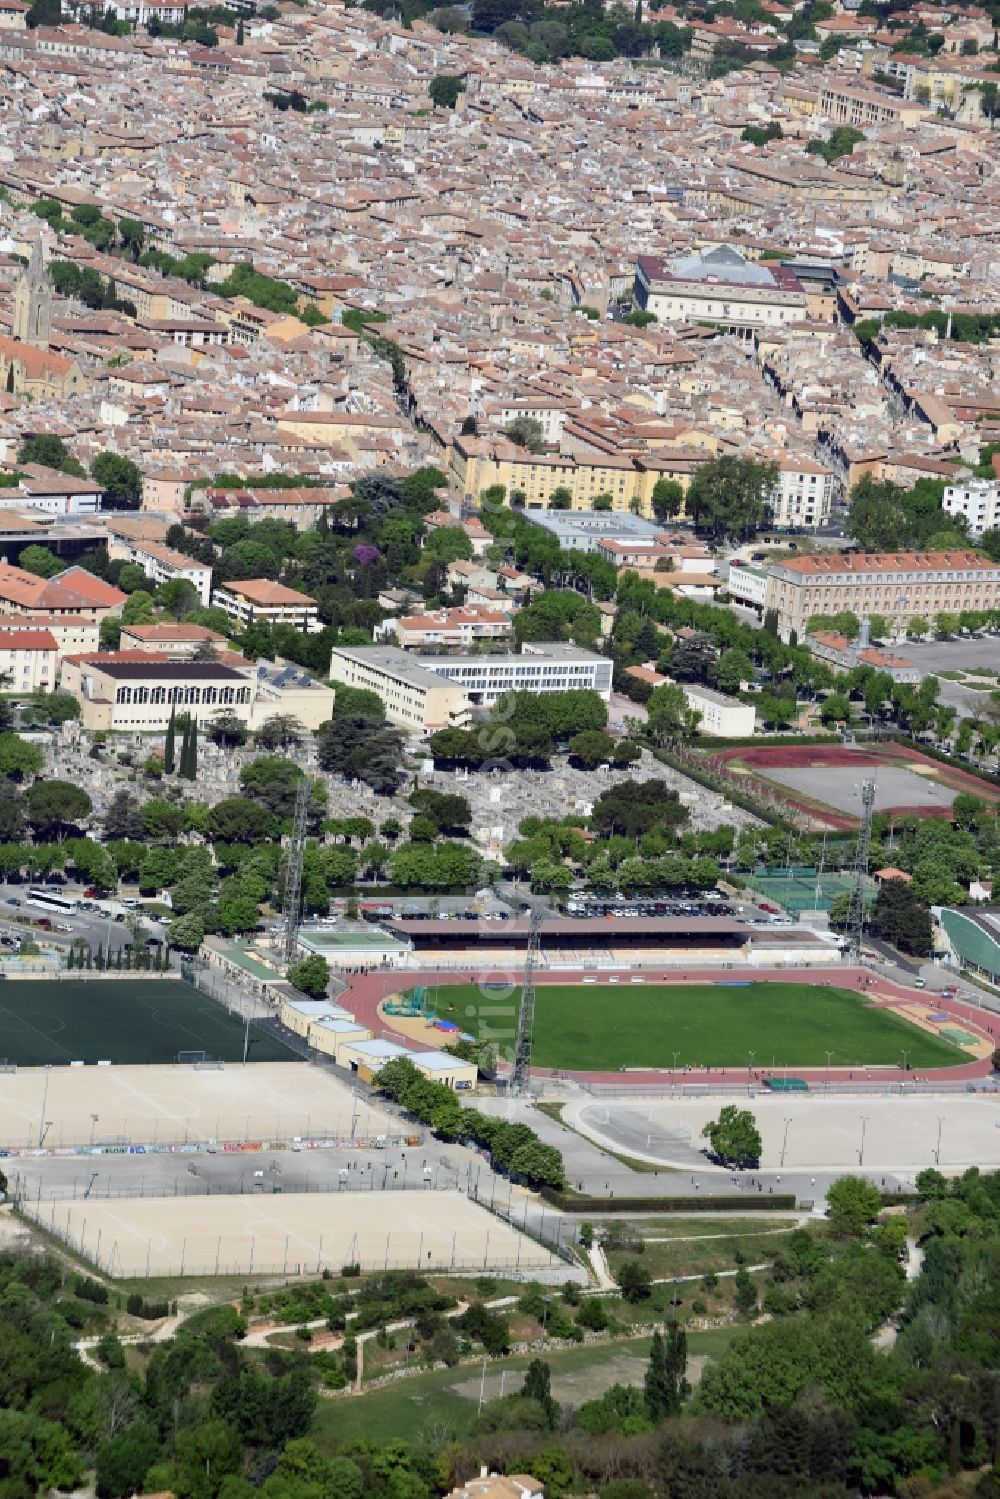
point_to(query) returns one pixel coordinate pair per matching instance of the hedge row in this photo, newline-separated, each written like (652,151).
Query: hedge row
(711,782)
(737,1202)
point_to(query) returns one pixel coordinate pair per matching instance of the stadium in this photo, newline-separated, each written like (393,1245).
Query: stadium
(702,1028)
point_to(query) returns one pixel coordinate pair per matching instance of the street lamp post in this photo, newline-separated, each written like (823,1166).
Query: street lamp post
(937,1151)
(784,1142)
(93,1120)
(861,1151)
(906,1054)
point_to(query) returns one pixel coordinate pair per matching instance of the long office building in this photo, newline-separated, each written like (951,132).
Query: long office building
(898,585)
(425,693)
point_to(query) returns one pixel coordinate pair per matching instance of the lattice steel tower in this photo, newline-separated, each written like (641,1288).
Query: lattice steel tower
(520,1077)
(293,869)
(856,909)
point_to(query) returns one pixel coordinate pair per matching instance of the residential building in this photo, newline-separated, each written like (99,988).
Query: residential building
(28,660)
(803,494)
(141,12)
(258,601)
(549,667)
(719,286)
(977,500)
(447,629)
(70,633)
(843,104)
(160,563)
(499,1486)
(722,716)
(74,594)
(844,655)
(898,585)
(180,642)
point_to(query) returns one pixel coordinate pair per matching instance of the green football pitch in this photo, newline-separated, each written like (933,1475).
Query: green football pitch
(136,1022)
(601,1027)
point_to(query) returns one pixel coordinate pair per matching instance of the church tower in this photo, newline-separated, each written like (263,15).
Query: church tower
(33,302)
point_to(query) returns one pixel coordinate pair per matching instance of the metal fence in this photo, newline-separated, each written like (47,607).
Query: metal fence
(859,1088)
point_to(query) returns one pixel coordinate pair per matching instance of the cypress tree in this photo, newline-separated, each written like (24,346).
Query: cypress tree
(10,378)
(192,769)
(239,32)
(169,744)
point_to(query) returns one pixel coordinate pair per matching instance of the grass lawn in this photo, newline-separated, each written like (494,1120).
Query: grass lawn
(699,1256)
(600,1027)
(448,1398)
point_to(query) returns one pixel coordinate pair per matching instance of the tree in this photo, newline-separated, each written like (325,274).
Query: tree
(19,758)
(119,477)
(899,916)
(853,1204)
(311,975)
(665,1383)
(138,608)
(227,730)
(40,561)
(527,432)
(592,748)
(538,1387)
(123,1462)
(54,806)
(667,709)
(49,452)
(732,669)
(836,708)
(634,1281)
(734,1137)
(187,932)
(170,744)
(745,1293)
(237,819)
(730,496)
(444,90)
(667,499)
(282,731)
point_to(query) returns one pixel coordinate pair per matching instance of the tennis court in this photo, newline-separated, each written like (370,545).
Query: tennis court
(130,1020)
(800,888)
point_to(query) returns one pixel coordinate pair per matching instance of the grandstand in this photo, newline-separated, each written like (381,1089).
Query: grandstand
(618,942)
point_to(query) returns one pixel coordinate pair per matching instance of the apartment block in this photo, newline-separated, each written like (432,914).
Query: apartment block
(803,494)
(724,717)
(977,500)
(28,660)
(897,585)
(448,629)
(258,601)
(161,564)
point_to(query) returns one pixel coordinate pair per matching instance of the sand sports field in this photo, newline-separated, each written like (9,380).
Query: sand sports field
(114,1106)
(295,1235)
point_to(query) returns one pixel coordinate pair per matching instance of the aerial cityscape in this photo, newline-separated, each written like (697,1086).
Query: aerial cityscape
(500,749)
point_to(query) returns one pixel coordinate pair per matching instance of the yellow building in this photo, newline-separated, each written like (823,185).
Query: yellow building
(478,465)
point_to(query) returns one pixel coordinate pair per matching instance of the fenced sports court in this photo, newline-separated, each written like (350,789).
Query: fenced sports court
(136,1021)
(105,1108)
(289,1236)
(799,888)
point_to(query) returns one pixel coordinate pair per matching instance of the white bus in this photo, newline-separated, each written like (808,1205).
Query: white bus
(49,900)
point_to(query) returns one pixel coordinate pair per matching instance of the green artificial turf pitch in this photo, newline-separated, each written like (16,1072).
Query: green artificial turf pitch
(136,1022)
(601,1027)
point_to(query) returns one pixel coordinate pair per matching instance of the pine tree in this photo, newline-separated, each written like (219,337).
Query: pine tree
(170,744)
(191,758)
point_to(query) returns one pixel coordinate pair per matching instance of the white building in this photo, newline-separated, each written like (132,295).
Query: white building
(160,563)
(978,500)
(256,601)
(434,692)
(746,586)
(453,629)
(52,493)
(141,12)
(803,494)
(724,717)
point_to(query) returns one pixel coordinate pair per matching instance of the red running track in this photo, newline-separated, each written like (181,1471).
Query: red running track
(365,992)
